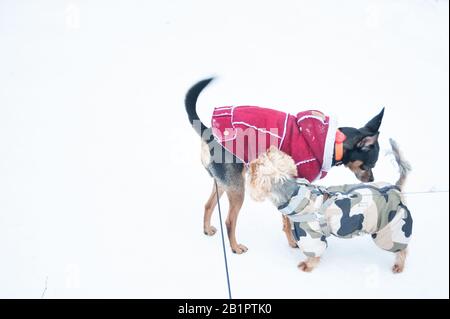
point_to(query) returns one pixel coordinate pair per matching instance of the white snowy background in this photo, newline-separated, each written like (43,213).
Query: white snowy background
(101,186)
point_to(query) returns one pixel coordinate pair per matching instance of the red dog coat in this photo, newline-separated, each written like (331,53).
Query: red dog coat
(308,137)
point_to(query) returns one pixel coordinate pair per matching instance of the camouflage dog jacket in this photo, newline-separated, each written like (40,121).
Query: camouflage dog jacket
(347,211)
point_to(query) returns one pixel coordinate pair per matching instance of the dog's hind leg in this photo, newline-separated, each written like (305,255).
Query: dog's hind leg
(236,199)
(287,230)
(400,258)
(209,209)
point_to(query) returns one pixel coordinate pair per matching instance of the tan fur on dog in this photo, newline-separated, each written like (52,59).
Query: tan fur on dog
(270,167)
(355,167)
(205,155)
(288,232)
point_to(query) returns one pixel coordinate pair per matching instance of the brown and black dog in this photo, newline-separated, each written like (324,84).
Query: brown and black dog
(360,154)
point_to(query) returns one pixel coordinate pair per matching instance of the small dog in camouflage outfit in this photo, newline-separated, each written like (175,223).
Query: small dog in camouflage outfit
(345,211)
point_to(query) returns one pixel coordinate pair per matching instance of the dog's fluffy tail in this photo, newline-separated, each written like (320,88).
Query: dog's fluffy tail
(403,165)
(190,103)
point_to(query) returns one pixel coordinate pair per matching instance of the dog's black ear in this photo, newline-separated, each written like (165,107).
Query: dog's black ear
(374,124)
(367,141)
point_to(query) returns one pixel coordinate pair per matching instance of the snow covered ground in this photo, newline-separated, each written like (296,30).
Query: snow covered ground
(101,186)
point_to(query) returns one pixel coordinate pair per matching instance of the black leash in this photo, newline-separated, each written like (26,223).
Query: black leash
(223,241)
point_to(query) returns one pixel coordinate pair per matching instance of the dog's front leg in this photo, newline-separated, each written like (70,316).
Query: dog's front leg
(236,199)
(309,264)
(288,231)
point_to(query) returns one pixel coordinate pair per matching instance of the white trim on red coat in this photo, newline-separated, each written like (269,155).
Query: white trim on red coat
(224,114)
(284,132)
(225,108)
(328,151)
(304,117)
(306,161)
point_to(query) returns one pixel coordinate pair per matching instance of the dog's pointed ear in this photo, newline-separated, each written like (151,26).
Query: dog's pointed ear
(374,124)
(367,141)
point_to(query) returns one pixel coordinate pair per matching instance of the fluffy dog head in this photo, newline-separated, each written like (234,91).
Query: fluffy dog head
(268,169)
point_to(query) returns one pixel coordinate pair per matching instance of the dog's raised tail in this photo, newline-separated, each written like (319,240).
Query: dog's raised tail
(190,103)
(403,165)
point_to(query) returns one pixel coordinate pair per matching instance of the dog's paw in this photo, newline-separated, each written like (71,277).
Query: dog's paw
(239,249)
(303,266)
(396,269)
(209,231)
